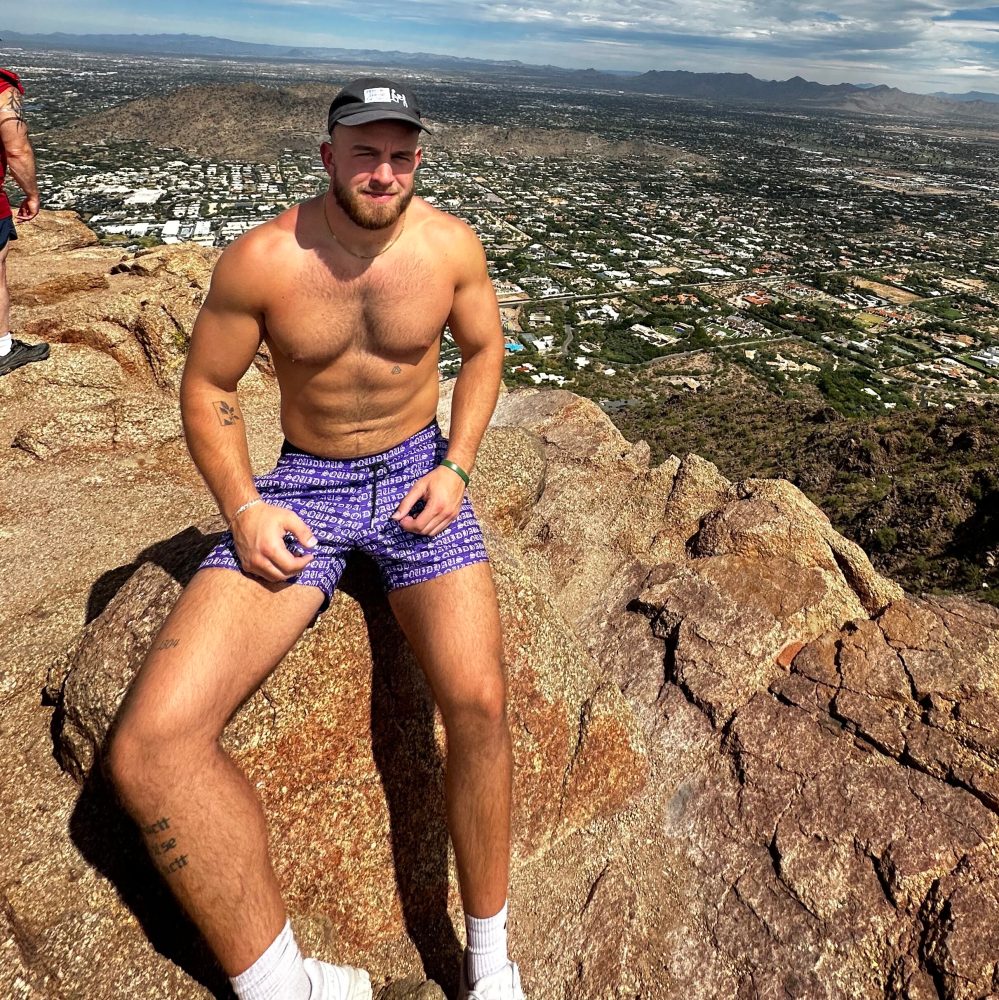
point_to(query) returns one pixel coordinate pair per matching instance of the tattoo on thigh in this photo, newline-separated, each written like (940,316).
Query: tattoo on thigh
(396,370)
(163,848)
(226,412)
(167,644)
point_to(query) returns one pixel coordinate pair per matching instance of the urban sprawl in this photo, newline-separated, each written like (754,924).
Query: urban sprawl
(853,253)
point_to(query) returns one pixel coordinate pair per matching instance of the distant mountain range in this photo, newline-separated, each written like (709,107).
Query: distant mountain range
(206,45)
(863,98)
(971,95)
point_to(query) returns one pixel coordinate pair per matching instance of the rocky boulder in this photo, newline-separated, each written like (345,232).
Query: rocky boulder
(840,834)
(118,325)
(747,765)
(139,310)
(343,738)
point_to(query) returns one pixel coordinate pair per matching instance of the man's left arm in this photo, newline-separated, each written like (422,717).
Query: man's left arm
(475,325)
(17,149)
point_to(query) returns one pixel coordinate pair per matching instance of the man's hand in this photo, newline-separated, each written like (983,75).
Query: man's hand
(259,533)
(28,208)
(441,492)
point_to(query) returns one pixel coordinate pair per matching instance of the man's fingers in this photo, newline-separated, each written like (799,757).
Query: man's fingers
(278,543)
(441,524)
(418,524)
(297,564)
(299,531)
(289,555)
(416,493)
(27,210)
(441,506)
(430,522)
(279,565)
(436,524)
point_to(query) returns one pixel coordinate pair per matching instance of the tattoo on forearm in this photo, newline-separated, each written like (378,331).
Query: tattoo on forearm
(167,644)
(226,412)
(167,862)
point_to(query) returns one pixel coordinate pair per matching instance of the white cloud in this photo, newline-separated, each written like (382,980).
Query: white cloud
(909,43)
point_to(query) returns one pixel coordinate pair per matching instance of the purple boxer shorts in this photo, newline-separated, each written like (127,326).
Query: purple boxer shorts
(348,503)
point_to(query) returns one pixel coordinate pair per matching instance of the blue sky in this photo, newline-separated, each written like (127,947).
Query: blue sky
(918,45)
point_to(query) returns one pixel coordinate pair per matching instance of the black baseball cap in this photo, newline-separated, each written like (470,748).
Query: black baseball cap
(373,99)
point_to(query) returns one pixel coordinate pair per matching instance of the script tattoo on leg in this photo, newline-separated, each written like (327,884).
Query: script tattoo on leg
(163,848)
(167,644)
(226,412)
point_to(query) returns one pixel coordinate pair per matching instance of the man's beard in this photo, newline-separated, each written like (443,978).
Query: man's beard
(366,214)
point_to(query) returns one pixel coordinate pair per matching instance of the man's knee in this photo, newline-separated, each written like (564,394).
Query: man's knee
(145,746)
(481,707)
(130,762)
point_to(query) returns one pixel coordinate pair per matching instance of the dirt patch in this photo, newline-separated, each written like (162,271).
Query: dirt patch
(888,292)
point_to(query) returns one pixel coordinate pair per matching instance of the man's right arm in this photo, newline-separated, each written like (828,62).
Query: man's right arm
(224,340)
(17,149)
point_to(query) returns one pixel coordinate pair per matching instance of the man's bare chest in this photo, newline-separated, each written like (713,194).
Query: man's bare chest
(391,310)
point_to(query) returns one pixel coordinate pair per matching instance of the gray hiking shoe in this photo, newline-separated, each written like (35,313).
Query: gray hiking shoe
(22,354)
(502,985)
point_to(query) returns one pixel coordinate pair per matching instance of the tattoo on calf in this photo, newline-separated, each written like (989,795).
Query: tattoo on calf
(162,846)
(226,412)
(175,865)
(164,860)
(167,644)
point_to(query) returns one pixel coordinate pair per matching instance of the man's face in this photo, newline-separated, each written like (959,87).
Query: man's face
(372,170)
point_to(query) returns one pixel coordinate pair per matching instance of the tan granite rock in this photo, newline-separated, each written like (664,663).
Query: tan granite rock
(747,765)
(599,503)
(349,704)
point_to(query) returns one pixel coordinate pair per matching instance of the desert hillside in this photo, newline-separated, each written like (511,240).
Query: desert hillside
(248,121)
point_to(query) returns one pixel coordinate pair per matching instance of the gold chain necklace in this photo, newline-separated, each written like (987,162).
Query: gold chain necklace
(362,256)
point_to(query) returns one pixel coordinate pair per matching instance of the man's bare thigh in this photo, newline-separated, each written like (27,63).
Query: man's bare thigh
(453,624)
(226,633)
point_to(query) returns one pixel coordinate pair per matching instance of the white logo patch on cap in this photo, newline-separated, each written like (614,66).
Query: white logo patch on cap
(384,95)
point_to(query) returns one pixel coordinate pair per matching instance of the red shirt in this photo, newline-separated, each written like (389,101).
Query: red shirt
(8,79)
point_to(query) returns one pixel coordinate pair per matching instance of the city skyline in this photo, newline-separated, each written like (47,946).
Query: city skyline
(916,45)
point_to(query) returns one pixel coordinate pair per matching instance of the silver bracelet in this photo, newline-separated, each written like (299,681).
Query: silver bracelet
(246,506)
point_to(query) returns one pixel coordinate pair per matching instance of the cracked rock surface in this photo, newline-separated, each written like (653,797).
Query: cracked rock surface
(747,765)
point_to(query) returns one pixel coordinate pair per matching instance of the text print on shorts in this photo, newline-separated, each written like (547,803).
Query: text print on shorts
(348,503)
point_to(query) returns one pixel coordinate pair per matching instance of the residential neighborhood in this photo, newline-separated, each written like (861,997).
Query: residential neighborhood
(816,249)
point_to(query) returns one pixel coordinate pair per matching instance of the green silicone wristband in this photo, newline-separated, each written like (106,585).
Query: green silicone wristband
(455,467)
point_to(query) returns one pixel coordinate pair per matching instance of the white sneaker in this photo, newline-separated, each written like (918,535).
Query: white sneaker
(337,982)
(502,985)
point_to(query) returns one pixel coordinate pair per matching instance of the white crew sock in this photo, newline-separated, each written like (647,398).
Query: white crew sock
(6,343)
(279,973)
(486,945)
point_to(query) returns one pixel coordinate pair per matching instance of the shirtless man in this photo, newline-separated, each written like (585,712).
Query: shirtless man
(17,156)
(351,291)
